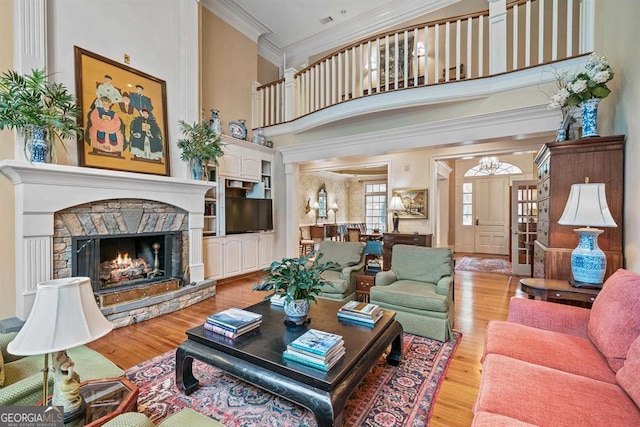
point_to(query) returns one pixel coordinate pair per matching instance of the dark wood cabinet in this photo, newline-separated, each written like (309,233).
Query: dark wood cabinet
(390,239)
(559,165)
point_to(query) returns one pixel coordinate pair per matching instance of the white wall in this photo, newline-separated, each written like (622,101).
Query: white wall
(152,32)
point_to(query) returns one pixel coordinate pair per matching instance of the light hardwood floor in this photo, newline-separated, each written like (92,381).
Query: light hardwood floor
(480,297)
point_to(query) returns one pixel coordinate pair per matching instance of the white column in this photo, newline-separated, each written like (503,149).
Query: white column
(497,36)
(196,263)
(290,91)
(587,24)
(29,46)
(292,191)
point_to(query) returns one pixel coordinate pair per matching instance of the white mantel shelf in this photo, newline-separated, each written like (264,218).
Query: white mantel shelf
(41,189)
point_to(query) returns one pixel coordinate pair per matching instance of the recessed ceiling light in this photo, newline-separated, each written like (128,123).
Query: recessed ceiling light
(343,11)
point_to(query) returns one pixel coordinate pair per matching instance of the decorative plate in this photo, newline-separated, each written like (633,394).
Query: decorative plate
(237,130)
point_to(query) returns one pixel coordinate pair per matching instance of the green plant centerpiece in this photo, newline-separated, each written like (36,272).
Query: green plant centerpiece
(200,146)
(41,110)
(298,280)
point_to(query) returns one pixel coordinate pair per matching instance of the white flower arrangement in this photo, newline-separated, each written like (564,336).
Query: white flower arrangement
(578,88)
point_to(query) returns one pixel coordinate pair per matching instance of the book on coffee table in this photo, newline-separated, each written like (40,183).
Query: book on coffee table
(362,309)
(298,357)
(360,319)
(229,334)
(317,342)
(234,318)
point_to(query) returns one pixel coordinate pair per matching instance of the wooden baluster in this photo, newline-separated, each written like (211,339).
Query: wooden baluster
(436,54)
(369,67)
(515,38)
(447,50)
(554,31)
(540,31)
(416,68)
(469,45)
(569,28)
(378,65)
(458,35)
(405,60)
(426,55)
(527,35)
(480,46)
(353,72)
(386,63)
(395,62)
(339,65)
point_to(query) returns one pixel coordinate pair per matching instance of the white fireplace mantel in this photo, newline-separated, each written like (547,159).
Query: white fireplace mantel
(42,189)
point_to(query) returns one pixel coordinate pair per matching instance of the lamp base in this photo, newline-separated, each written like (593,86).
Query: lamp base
(396,222)
(588,262)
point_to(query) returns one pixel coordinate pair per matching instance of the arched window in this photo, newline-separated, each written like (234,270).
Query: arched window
(503,168)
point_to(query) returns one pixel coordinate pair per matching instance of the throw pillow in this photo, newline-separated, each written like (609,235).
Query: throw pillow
(628,375)
(614,322)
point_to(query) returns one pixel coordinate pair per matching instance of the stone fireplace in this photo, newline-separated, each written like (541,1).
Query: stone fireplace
(61,211)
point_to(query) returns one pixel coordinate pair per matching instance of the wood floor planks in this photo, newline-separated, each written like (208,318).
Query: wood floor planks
(480,297)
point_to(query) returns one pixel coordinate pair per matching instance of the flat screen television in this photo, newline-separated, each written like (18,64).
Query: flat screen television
(244,215)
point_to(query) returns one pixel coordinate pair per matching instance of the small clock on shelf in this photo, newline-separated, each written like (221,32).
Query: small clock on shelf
(238,129)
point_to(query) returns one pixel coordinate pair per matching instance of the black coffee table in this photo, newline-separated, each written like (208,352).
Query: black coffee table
(256,357)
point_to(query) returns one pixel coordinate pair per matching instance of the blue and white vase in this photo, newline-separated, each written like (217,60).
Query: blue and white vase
(38,145)
(589,117)
(297,310)
(588,261)
(214,122)
(197,170)
(258,137)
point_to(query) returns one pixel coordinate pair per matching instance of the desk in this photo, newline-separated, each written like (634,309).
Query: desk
(559,290)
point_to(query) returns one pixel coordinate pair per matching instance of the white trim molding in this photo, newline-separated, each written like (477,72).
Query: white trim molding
(237,17)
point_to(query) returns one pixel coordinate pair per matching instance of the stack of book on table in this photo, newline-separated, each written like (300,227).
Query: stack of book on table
(362,313)
(233,322)
(277,300)
(317,349)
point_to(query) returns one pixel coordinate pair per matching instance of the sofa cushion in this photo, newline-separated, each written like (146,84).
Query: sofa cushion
(422,264)
(547,348)
(337,286)
(487,419)
(629,374)
(411,294)
(548,397)
(344,254)
(614,322)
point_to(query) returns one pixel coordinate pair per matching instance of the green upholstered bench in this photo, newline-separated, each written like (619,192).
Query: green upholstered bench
(186,417)
(22,385)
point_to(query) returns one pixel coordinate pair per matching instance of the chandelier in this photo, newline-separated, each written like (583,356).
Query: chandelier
(489,164)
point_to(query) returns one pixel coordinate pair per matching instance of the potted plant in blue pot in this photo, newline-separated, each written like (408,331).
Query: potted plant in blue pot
(298,280)
(200,146)
(41,110)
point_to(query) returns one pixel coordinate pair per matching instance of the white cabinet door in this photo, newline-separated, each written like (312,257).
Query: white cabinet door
(232,256)
(265,250)
(231,162)
(213,257)
(249,253)
(251,167)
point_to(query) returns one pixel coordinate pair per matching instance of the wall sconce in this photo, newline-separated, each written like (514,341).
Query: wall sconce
(420,52)
(334,208)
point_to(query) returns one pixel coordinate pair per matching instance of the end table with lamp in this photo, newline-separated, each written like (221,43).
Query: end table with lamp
(64,315)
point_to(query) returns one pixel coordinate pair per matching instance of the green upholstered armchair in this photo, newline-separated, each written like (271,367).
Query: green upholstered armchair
(183,418)
(349,256)
(22,385)
(419,288)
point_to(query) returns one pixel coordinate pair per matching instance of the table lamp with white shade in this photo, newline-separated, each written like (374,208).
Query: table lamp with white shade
(395,206)
(64,315)
(587,206)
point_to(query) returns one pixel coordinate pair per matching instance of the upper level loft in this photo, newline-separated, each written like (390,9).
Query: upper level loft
(501,48)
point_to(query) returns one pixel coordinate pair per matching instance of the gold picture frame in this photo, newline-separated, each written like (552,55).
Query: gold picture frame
(415,201)
(123,115)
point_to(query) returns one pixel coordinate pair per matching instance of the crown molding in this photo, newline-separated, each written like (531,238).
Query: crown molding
(237,17)
(460,130)
(359,27)
(270,52)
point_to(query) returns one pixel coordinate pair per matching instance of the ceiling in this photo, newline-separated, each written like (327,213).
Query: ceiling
(288,32)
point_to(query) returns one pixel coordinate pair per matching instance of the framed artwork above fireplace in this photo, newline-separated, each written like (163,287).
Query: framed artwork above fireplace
(123,114)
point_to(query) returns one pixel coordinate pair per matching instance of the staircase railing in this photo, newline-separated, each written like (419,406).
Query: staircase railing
(506,37)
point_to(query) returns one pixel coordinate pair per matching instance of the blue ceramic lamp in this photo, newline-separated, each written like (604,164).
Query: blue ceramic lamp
(587,206)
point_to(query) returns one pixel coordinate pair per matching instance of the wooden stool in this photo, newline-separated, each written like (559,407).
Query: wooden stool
(306,247)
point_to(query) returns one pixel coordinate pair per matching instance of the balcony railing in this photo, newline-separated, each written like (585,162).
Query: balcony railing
(507,37)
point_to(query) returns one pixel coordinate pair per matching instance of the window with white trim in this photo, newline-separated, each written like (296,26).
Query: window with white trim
(467,203)
(375,206)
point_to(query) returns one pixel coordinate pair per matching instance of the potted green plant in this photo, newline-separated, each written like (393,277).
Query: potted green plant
(200,146)
(298,280)
(40,110)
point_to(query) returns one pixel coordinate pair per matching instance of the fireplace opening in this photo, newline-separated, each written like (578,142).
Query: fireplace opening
(118,262)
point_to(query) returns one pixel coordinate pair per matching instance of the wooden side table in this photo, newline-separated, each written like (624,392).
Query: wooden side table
(559,290)
(364,282)
(105,400)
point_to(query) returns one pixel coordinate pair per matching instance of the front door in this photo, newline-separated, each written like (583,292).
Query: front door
(492,215)
(524,217)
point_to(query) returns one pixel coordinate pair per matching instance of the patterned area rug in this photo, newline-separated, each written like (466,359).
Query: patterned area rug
(483,265)
(388,396)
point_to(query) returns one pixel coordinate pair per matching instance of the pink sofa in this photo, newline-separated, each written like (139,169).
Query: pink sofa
(558,365)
